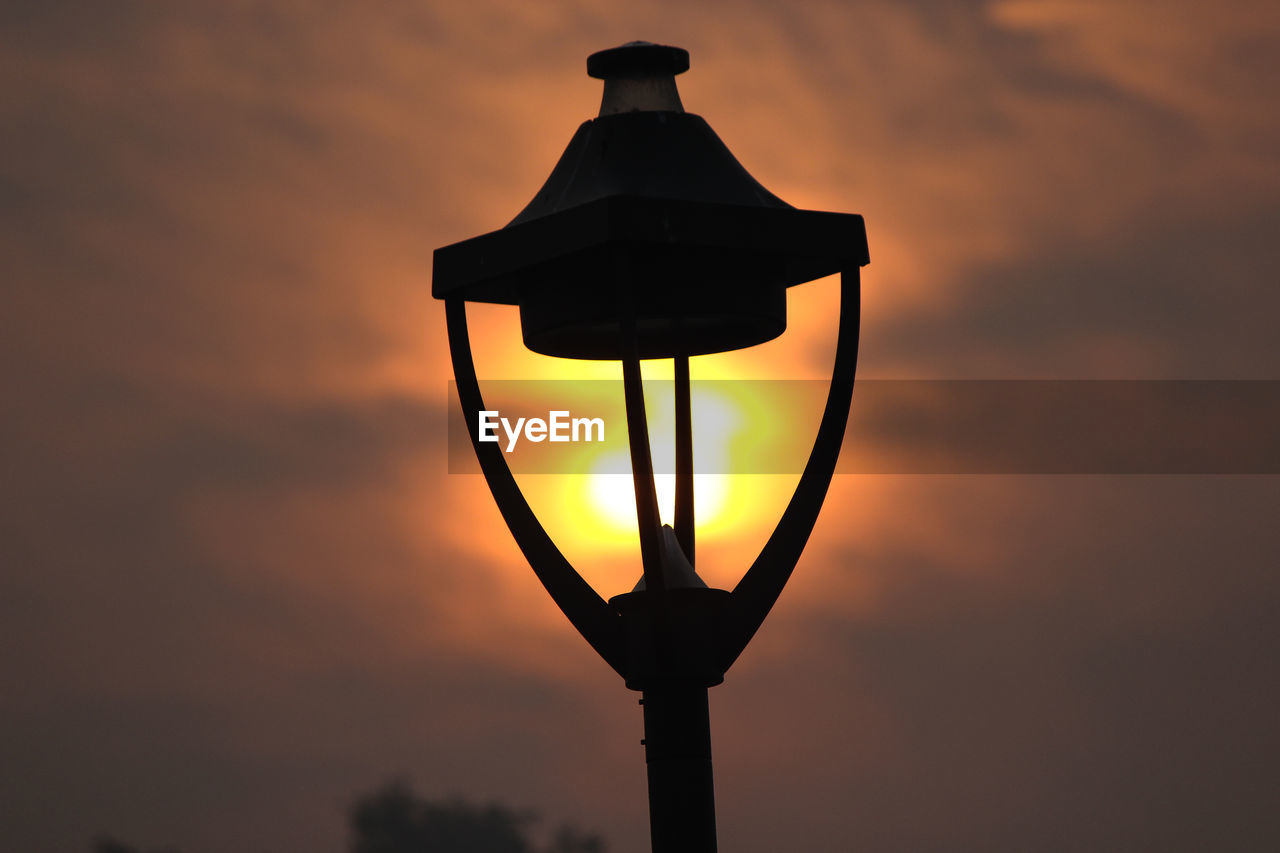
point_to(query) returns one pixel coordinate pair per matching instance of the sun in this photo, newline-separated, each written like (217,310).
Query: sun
(744,436)
(612,496)
(609,491)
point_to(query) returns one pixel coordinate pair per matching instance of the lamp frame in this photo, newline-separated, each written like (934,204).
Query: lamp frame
(670,644)
(650,240)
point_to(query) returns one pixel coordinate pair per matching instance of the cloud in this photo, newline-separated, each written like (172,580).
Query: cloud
(1018,654)
(237,582)
(1183,297)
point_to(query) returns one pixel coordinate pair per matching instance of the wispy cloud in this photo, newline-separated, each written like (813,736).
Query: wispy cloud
(238,584)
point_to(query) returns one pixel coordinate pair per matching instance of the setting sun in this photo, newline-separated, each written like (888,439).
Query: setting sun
(609,490)
(613,501)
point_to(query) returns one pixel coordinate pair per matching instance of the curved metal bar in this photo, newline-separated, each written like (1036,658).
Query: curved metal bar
(684,520)
(647,517)
(598,623)
(760,587)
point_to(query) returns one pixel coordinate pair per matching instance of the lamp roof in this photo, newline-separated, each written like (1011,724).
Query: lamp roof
(647,185)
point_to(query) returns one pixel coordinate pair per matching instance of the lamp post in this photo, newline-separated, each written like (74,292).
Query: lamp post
(649,240)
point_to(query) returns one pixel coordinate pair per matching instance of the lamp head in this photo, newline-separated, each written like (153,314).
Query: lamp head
(648,219)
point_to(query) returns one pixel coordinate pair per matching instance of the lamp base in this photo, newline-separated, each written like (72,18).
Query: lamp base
(673,637)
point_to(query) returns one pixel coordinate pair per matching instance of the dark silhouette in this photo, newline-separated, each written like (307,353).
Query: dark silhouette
(650,240)
(395,820)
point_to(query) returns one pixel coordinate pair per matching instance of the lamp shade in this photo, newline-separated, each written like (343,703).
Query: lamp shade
(648,220)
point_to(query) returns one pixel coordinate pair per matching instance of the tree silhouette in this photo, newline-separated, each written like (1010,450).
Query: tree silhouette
(569,839)
(395,820)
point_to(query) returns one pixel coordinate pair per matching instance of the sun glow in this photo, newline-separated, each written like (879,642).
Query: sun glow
(754,413)
(610,491)
(613,499)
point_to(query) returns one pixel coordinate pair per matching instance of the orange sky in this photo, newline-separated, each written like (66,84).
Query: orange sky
(238,586)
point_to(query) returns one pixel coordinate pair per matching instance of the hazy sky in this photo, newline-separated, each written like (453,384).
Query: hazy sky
(237,585)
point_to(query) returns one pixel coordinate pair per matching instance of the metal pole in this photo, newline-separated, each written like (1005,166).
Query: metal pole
(677,745)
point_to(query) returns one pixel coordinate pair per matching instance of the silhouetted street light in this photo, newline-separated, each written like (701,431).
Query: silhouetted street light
(649,240)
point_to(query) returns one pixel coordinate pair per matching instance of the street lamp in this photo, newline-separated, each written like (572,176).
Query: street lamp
(649,240)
